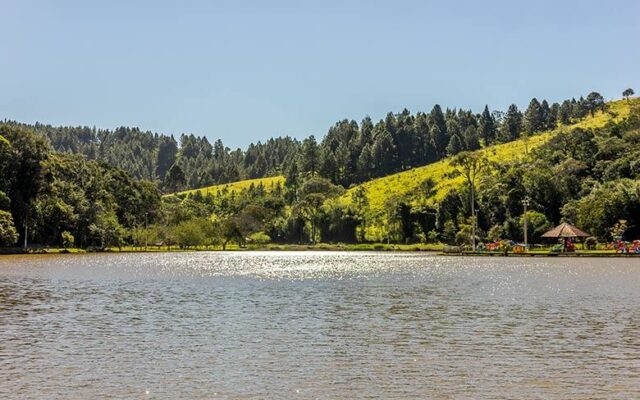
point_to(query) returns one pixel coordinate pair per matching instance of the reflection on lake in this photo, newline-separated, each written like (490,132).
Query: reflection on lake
(318,325)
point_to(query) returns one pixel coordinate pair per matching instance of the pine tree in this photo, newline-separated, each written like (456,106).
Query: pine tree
(512,124)
(310,156)
(547,122)
(534,117)
(438,130)
(487,128)
(471,141)
(455,145)
(175,179)
(167,151)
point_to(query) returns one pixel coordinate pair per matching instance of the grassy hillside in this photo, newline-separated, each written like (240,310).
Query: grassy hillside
(268,183)
(410,183)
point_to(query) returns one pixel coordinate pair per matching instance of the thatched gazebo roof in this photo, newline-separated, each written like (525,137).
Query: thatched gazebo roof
(565,230)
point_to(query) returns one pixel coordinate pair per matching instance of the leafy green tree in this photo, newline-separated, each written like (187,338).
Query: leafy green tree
(361,204)
(618,230)
(68,241)
(23,170)
(338,223)
(392,218)
(259,238)
(537,224)
(628,93)
(5,201)
(230,232)
(8,233)
(107,231)
(471,165)
(496,233)
(466,234)
(311,197)
(595,102)
(607,204)
(191,233)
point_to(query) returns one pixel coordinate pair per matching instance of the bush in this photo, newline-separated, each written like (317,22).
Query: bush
(68,240)
(590,243)
(189,233)
(259,238)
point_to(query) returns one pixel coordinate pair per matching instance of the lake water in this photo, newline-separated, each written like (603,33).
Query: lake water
(318,325)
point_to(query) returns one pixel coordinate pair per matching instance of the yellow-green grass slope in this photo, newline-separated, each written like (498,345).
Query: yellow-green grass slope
(237,187)
(409,184)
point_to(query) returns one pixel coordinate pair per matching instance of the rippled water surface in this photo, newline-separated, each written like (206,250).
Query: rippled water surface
(318,325)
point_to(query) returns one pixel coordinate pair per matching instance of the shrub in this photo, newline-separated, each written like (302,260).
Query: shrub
(259,238)
(68,240)
(590,243)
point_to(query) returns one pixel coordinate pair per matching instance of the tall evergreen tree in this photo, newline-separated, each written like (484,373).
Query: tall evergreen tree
(471,141)
(438,130)
(511,125)
(534,117)
(547,118)
(487,128)
(310,156)
(167,151)
(455,145)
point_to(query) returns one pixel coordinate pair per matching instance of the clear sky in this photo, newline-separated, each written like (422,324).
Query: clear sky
(245,71)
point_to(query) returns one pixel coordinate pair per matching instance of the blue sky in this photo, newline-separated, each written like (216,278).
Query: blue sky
(245,71)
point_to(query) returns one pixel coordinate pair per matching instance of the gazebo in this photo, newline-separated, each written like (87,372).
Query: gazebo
(565,231)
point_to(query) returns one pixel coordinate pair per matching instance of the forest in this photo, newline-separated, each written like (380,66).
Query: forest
(93,188)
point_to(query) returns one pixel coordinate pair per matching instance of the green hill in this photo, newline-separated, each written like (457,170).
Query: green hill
(269,184)
(410,184)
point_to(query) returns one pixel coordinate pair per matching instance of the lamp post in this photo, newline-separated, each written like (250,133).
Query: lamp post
(146,231)
(26,229)
(525,203)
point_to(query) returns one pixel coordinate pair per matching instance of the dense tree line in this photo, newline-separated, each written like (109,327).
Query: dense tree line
(353,153)
(187,162)
(61,198)
(349,153)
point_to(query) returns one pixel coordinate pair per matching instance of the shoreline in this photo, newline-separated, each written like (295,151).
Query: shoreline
(373,247)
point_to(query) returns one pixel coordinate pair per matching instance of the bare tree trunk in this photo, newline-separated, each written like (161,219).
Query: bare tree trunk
(473,218)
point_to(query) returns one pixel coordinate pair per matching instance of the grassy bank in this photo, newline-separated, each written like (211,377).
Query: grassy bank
(382,247)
